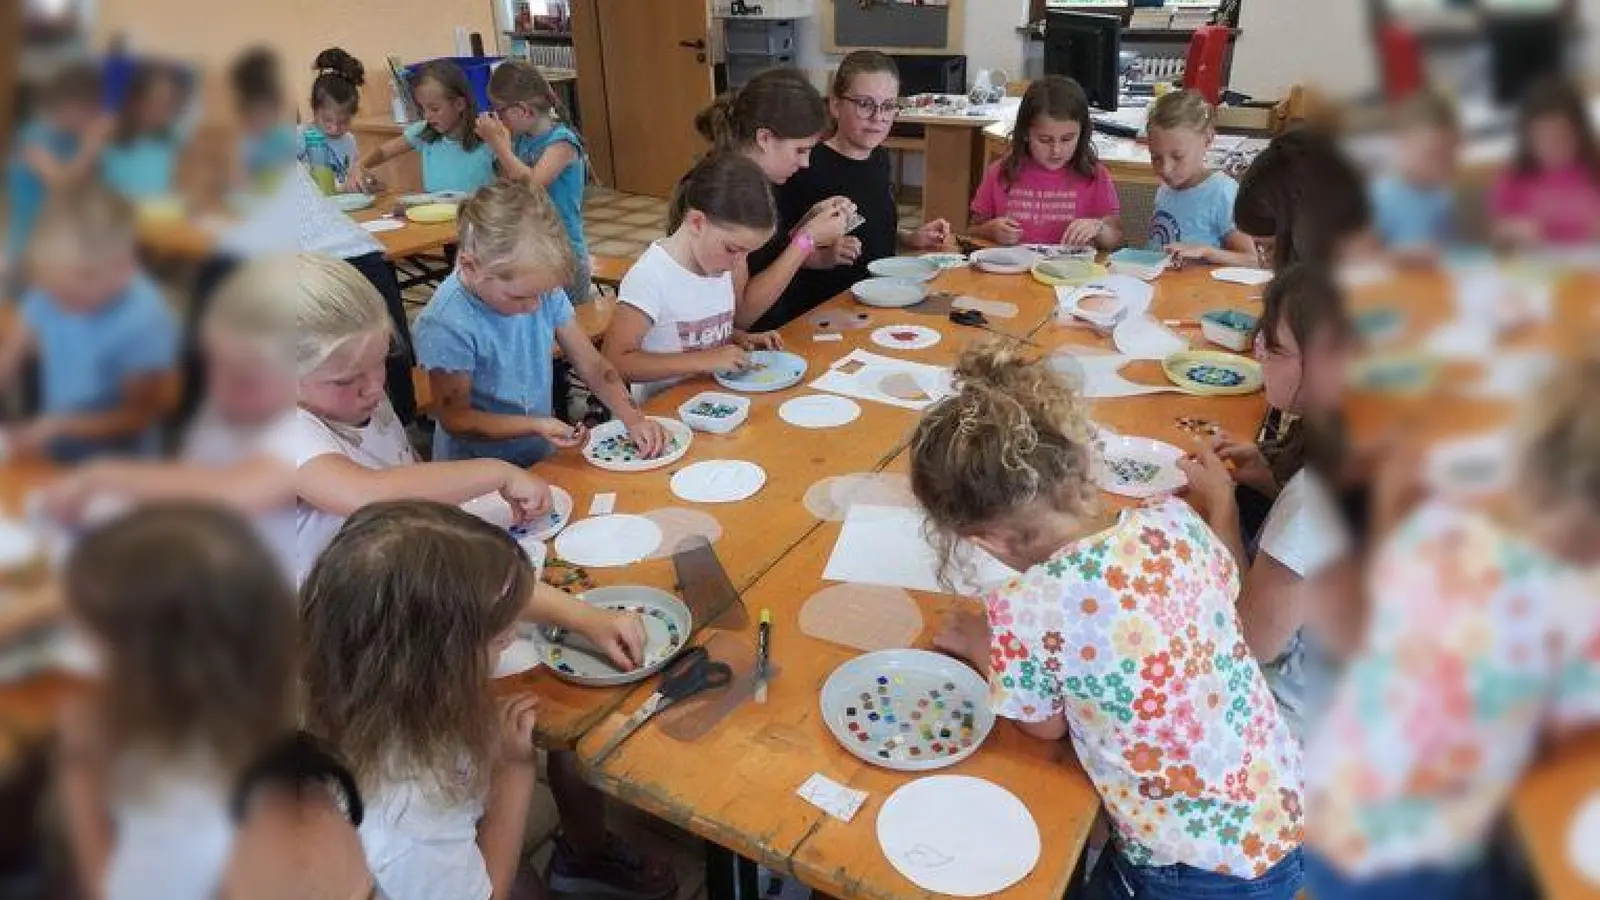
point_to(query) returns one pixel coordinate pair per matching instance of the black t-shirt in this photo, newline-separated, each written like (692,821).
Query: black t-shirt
(831,174)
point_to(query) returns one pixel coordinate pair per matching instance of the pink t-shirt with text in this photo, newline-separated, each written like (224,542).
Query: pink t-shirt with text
(1044,202)
(1565,203)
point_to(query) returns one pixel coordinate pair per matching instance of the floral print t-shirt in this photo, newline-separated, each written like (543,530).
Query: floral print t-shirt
(1478,645)
(1132,635)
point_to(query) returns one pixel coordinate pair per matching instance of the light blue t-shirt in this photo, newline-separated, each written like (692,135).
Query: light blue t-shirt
(269,153)
(1406,215)
(143,168)
(1201,215)
(566,192)
(24,189)
(447,166)
(86,359)
(511,360)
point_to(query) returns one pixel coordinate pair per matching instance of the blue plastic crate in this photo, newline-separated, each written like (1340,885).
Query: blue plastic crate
(476,68)
(117,72)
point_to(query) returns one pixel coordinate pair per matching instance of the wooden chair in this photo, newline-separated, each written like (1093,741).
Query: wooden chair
(898,146)
(607,271)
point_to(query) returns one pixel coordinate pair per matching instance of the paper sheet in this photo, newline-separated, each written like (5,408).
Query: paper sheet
(956,835)
(718,481)
(1141,337)
(1098,375)
(861,374)
(1583,840)
(819,411)
(886,545)
(603,504)
(608,541)
(832,797)
(1241,275)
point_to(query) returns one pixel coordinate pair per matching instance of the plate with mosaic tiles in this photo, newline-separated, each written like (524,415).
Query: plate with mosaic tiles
(1138,467)
(1212,373)
(611,449)
(667,625)
(774,370)
(907,710)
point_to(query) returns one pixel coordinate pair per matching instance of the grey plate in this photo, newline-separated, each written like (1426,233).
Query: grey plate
(907,268)
(888,293)
(778,369)
(907,710)
(667,626)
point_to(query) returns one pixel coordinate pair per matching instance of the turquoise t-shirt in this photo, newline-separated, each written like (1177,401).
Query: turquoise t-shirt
(447,166)
(24,190)
(1406,215)
(1201,215)
(566,192)
(269,152)
(143,168)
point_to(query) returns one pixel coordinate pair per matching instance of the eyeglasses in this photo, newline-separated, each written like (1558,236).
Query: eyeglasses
(867,108)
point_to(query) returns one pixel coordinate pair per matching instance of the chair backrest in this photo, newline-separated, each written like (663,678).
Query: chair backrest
(1401,57)
(1202,70)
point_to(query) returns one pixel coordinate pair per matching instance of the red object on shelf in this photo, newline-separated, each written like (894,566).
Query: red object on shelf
(1202,71)
(1401,57)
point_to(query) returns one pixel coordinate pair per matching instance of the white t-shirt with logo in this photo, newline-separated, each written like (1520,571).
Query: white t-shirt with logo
(379,444)
(687,312)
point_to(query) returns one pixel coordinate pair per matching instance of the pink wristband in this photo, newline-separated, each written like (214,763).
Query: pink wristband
(803,240)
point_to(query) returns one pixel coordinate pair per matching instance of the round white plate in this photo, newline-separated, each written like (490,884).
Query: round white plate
(351,202)
(521,656)
(379,226)
(946,260)
(1241,275)
(907,710)
(718,481)
(1005,260)
(608,541)
(410,200)
(1137,467)
(819,411)
(958,835)
(1583,836)
(906,337)
(775,370)
(888,293)
(906,268)
(610,448)
(492,508)
(667,625)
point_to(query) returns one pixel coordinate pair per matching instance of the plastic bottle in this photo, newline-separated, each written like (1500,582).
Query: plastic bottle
(319,159)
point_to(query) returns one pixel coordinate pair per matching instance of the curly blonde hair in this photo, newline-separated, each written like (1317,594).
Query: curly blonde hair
(1015,433)
(1560,436)
(397,617)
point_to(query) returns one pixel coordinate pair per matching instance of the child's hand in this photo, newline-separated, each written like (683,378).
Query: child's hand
(826,222)
(764,340)
(1005,232)
(518,717)
(526,494)
(729,358)
(366,182)
(1250,467)
(1209,479)
(846,251)
(648,435)
(1082,232)
(560,433)
(931,236)
(67,498)
(34,438)
(965,635)
(491,130)
(1187,253)
(620,635)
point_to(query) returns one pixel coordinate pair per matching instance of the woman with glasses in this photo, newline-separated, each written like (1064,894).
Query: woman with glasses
(864,101)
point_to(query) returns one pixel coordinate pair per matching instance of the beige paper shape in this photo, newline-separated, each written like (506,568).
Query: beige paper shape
(831,498)
(997,308)
(863,616)
(682,529)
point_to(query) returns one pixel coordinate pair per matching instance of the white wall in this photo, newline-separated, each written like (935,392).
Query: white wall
(1325,43)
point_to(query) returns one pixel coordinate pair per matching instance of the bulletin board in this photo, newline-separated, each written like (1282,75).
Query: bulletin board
(893,26)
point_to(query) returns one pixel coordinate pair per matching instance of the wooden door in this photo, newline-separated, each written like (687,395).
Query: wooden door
(657,77)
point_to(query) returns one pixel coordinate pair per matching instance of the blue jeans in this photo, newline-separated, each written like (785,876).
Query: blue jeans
(1115,878)
(1466,882)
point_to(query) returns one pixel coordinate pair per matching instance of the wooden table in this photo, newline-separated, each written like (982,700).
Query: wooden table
(188,241)
(1543,809)
(955,151)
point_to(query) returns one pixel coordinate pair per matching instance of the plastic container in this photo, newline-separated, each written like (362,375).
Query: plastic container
(476,68)
(768,38)
(1231,328)
(715,412)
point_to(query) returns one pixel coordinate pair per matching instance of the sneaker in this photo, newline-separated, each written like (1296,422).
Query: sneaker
(621,872)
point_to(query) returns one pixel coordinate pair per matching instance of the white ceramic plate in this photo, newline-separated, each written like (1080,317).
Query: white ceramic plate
(907,710)
(888,293)
(351,202)
(1137,467)
(906,268)
(610,448)
(492,508)
(946,260)
(608,542)
(1005,260)
(718,481)
(667,626)
(775,370)
(1241,275)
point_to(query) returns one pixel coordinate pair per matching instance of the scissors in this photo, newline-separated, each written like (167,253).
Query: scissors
(693,672)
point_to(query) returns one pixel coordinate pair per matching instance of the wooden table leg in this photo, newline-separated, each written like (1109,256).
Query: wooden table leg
(949,175)
(730,876)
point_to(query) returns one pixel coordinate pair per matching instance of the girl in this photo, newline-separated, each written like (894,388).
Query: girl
(229,455)
(530,145)
(454,158)
(141,161)
(346,444)
(851,162)
(1551,194)
(1120,631)
(1480,650)
(267,143)
(678,301)
(489,335)
(192,629)
(775,120)
(335,100)
(1051,188)
(1193,218)
(1302,199)
(1304,343)
(59,151)
(403,620)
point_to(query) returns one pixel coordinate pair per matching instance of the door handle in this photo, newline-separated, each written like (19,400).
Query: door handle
(692,45)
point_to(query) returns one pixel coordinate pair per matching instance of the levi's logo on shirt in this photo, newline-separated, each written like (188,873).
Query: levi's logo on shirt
(702,334)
